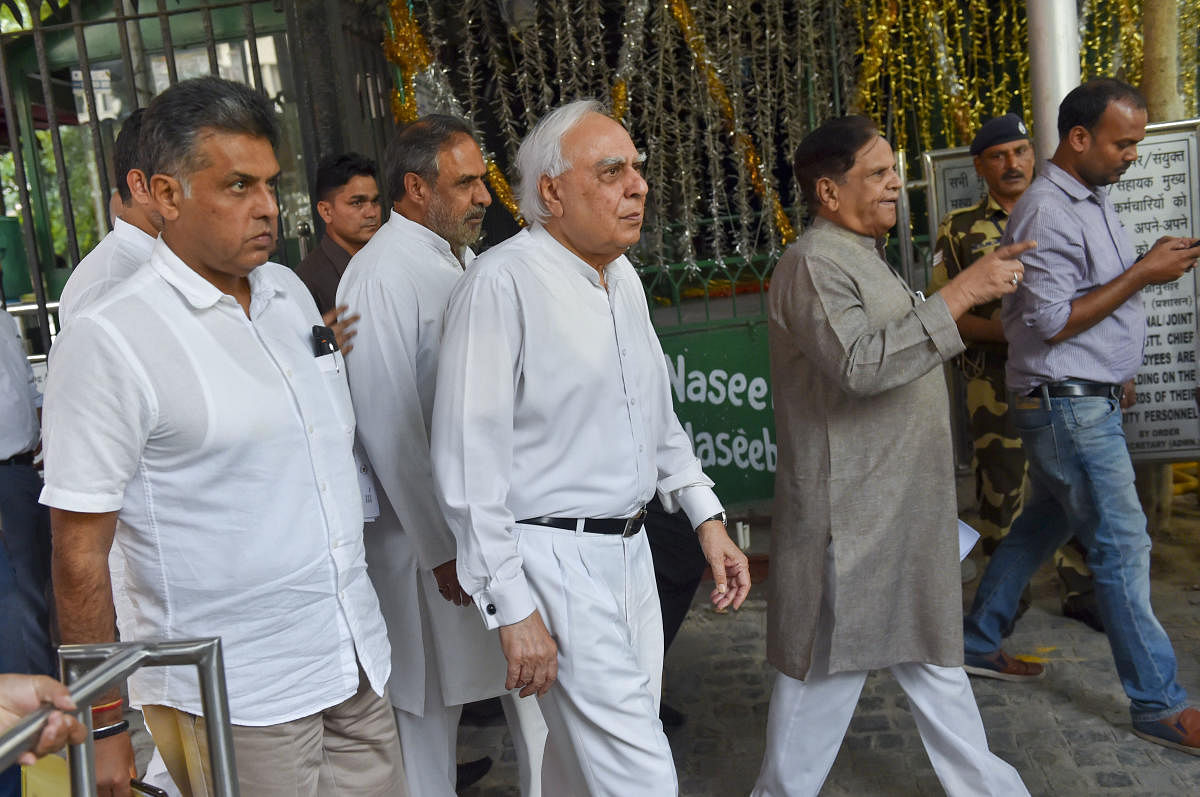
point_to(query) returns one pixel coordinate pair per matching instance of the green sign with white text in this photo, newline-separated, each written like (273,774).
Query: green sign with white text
(721,384)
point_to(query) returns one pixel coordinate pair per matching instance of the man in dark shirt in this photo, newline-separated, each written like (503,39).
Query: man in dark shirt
(348,203)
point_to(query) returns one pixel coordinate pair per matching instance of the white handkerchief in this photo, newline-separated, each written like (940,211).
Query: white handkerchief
(967,537)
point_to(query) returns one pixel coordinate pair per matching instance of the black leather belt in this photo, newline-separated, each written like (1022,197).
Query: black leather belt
(626,527)
(1078,388)
(19,459)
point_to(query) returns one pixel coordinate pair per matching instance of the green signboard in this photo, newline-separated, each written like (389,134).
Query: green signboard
(721,385)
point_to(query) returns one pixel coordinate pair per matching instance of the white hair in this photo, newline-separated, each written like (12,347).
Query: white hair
(540,154)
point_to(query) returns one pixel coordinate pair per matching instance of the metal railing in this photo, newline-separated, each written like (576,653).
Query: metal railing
(91,670)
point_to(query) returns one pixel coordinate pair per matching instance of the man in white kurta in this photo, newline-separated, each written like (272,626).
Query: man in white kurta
(552,428)
(442,654)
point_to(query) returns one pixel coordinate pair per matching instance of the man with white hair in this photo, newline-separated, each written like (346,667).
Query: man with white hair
(552,428)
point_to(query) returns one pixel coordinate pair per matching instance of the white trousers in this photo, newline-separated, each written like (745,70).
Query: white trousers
(597,595)
(808,720)
(429,742)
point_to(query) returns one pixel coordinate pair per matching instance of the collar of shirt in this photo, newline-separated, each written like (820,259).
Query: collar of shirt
(994,211)
(338,256)
(134,236)
(1071,186)
(865,241)
(200,293)
(572,261)
(407,227)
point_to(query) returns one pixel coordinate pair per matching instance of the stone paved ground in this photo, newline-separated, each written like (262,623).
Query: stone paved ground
(1067,734)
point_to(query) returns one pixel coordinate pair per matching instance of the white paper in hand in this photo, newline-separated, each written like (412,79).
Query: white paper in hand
(967,537)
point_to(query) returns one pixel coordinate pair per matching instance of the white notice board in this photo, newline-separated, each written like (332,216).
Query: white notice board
(1160,195)
(952,184)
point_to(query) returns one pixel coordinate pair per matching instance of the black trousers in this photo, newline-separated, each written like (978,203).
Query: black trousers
(678,564)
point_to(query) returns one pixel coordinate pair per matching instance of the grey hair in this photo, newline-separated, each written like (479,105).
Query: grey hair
(174,119)
(415,150)
(540,154)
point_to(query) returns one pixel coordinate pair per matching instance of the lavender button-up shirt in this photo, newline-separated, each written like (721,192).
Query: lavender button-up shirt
(1081,245)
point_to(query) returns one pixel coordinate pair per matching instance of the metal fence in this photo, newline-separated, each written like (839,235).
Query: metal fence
(70,79)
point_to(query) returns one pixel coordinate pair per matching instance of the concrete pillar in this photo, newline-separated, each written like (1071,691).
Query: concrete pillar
(1054,64)
(1160,60)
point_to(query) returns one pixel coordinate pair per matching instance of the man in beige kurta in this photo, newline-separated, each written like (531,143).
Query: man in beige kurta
(864,550)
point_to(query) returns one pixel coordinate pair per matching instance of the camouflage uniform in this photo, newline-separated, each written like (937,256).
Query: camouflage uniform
(999,462)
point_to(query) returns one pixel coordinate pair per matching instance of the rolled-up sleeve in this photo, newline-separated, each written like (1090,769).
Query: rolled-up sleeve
(98,413)
(1053,274)
(472,442)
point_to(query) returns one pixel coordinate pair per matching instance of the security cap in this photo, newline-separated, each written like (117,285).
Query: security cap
(1000,130)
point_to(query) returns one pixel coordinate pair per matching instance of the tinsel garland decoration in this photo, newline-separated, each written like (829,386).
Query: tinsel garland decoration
(716,90)
(875,51)
(407,48)
(503,191)
(632,35)
(930,71)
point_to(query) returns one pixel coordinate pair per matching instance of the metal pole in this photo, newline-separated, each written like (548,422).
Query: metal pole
(904,224)
(1054,64)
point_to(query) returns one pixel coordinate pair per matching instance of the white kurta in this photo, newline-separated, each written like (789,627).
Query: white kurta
(553,399)
(399,282)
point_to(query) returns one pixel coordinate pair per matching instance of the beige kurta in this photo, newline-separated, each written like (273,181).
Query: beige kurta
(865,460)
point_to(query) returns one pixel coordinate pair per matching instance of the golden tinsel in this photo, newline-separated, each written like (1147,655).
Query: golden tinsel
(938,68)
(620,99)
(405,46)
(503,191)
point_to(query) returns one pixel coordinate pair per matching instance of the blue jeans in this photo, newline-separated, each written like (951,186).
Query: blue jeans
(1082,485)
(24,574)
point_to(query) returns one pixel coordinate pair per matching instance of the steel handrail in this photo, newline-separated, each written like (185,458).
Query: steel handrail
(90,670)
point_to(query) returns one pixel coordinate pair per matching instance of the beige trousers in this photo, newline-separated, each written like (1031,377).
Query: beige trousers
(349,749)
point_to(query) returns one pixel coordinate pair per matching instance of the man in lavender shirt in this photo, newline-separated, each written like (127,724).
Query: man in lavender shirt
(1076,329)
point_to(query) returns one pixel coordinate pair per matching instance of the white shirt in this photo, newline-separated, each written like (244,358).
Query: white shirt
(399,282)
(19,396)
(552,399)
(119,254)
(226,446)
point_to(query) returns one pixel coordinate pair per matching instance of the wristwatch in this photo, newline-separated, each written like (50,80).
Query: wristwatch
(719,516)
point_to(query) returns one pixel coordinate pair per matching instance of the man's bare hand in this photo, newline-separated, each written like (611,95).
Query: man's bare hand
(730,567)
(1168,260)
(343,330)
(114,765)
(1128,395)
(532,656)
(446,575)
(24,694)
(995,274)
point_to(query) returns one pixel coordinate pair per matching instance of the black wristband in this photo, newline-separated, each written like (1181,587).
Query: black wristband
(110,730)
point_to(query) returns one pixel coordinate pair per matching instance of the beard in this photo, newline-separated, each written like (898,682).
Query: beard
(458,231)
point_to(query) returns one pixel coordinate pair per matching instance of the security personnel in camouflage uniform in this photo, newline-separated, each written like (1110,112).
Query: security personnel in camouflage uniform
(1004,159)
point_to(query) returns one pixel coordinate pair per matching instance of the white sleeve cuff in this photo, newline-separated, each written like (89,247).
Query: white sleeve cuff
(505,604)
(698,502)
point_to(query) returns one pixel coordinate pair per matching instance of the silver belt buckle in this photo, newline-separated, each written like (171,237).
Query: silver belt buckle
(633,524)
